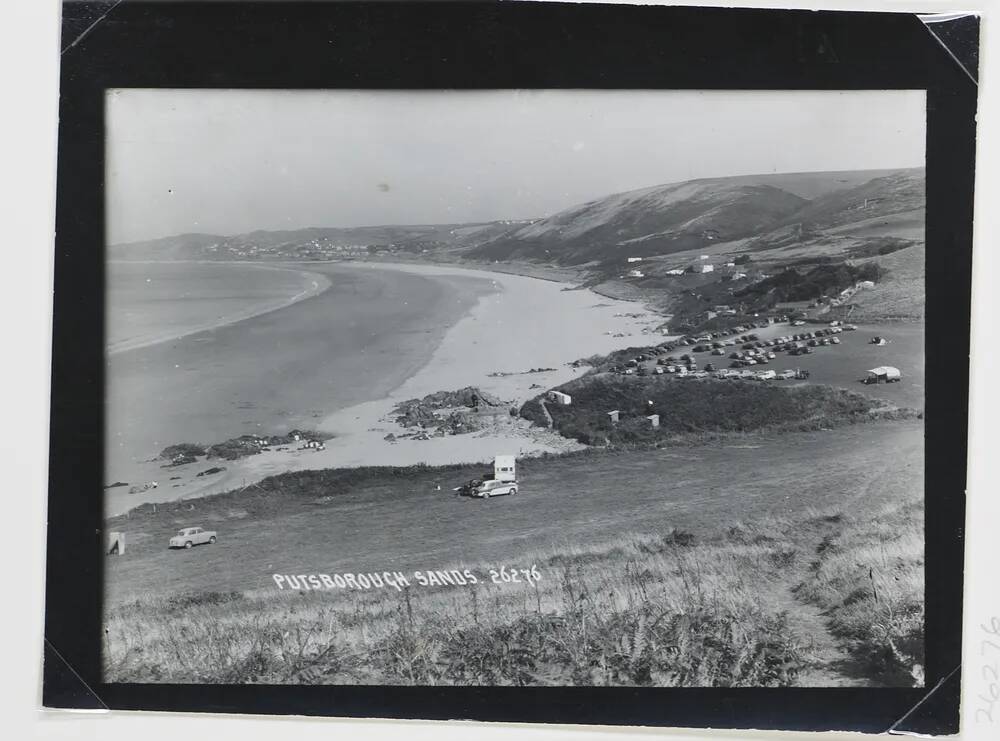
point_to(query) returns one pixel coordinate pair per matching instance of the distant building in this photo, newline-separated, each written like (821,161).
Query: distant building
(636,274)
(654,420)
(635,259)
(866,284)
(675,271)
(614,415)
(705,268)
(739,276)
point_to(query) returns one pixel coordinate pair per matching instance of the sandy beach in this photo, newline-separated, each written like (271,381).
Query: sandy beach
(516,324)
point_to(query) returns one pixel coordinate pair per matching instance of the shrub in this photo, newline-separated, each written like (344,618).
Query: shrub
(186,450)
(690,408)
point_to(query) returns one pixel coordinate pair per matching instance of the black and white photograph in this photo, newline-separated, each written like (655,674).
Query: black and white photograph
(515,387)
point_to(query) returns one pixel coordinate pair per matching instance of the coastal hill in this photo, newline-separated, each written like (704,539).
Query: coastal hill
(698,214)
(751,212)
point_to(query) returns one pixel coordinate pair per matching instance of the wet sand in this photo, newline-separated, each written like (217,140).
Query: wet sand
(288,368)
(340,365)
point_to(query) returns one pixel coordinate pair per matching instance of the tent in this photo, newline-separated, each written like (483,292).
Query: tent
(883,374)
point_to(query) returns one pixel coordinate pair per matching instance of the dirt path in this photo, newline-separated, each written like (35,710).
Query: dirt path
(829,663)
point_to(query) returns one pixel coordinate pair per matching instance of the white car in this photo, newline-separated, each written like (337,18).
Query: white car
(492,488)
(192,536)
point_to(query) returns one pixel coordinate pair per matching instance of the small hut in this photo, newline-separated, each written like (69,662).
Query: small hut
(654,420)
(613,416)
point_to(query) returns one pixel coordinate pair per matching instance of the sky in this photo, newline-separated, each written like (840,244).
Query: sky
(233,161)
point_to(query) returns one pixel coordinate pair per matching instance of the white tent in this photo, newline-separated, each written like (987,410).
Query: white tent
(886,372)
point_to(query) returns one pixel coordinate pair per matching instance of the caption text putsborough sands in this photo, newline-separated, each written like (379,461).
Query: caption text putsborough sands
(400,581)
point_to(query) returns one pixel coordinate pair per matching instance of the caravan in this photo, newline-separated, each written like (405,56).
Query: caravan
(502,480)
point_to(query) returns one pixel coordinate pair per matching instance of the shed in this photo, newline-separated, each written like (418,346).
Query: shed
(560,398)
(884,374)
(614,415)
(654,420)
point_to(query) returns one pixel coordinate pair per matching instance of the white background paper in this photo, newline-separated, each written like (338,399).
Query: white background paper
(29,68)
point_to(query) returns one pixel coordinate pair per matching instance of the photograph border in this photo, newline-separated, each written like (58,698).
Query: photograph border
(469,46)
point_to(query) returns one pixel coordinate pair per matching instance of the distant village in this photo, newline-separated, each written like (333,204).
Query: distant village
(322,248)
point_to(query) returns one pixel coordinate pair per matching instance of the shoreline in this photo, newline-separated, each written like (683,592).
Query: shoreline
(320,283)
(466,356)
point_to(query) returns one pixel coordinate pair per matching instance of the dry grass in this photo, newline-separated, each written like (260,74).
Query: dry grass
(869,578)
(666,610)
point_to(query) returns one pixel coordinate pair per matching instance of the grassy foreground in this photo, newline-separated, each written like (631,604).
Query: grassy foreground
(669,609)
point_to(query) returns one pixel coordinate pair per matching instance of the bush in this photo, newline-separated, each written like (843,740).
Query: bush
(690,408)
(184,450)
(824,279)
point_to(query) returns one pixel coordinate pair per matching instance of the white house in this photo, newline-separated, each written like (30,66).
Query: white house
(614,415)
(560,398)
(675,271)
(635,259)
(636,274)
(705,268)
(654,420)
(866,284)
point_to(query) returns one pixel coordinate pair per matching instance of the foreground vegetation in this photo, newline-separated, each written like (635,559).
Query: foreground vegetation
(668,609)
(691,410)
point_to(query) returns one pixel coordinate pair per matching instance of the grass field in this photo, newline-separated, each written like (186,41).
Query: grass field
(823,596)
(323,522)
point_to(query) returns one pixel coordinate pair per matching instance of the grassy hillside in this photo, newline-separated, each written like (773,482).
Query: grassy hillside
(902,294)
(651,221)
(734,607)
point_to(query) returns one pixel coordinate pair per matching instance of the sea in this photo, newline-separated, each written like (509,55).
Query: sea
(286,368)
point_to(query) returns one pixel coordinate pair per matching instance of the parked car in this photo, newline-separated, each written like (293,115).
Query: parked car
(191,536)
(786,375)
(493,488)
